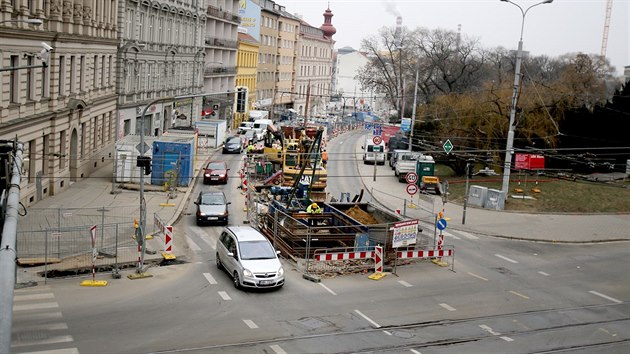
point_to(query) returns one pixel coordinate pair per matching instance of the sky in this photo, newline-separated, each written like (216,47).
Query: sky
(564,26)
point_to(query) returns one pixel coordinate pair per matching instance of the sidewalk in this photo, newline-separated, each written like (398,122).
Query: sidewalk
(561,228)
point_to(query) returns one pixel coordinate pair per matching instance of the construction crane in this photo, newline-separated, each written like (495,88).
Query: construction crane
(606,28)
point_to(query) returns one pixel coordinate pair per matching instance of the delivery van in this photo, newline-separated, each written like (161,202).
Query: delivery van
(373,153)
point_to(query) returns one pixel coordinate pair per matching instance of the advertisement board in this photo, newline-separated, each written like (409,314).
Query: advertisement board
(529,162)
(405,233)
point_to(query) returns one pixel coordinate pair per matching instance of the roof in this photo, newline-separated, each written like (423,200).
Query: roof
(246,233)
(246,37)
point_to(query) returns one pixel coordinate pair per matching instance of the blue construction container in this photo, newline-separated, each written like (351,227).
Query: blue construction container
(173,160)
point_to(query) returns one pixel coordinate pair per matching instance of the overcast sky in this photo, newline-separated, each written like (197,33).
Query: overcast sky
(564,26)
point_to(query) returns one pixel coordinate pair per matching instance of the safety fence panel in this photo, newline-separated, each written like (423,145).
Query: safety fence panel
(68,251)
(59,218)
(341,260)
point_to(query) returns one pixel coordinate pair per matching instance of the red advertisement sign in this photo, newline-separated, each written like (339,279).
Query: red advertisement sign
(529,162)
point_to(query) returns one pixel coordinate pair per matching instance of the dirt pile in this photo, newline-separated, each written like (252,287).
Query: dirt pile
(361,216)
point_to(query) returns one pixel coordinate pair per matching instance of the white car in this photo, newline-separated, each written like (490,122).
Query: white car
(249,258)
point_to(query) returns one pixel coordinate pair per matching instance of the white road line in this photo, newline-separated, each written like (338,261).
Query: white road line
(605,296)
(205,238)
(276,348)
(44,305)
(388,333)
(477,276)
(34,297)
(507,339)
(328,289)
(36,316)
(450,235)
(224,295)
(518,294)
(210,278)
(446,306)
(468,235)
(192,244)
(507,259)
(250,324)
(56,351)
(404,283)
(543,273)
(376,325)
(489,330)
(44,327)
(49,340)
(39,288)
(414,351)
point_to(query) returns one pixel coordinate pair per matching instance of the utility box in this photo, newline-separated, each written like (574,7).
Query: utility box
(127,152)
(211,132)
(173,160)
(477,195)
(494,200)
(425,166)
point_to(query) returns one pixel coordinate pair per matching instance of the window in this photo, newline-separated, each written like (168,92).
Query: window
(14,80)
(45,82)
(73,77)
(30,79)
(103,82)
(62,149)
(95,73)
(82,74)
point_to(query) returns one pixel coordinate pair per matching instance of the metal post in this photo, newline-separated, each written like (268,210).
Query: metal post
(413,112)
(45,256)
(466,194)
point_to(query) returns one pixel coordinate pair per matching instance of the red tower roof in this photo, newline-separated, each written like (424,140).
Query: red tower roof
(328,29)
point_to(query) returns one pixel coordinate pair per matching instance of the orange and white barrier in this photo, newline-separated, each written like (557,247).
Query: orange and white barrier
(424,254)
(168,240)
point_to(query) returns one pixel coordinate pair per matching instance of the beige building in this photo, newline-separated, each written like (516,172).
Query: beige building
(246,64)
(65,112)
(315,67)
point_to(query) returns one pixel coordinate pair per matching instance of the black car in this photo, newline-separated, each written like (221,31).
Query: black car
(212,207)
(233,145)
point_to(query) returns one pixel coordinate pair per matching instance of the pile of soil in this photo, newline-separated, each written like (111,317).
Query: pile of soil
(361,216)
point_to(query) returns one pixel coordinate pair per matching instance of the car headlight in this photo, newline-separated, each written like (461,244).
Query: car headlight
(207,174)
(280,272)
(201,214)
(222,175)
(247,273)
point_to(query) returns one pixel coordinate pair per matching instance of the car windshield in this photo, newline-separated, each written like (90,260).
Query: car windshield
(215,166)
(251,250)
(234,141)
(212,199)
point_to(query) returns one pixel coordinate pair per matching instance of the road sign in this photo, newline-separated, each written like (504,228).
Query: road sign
(448,146)
(441,224)
(143,148)
(377,130)
(368,126)
(377,139)
(412,189)
(411,177)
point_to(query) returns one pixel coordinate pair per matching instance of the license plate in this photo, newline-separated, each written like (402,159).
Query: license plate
(266,282)
(214,178)
(213,218)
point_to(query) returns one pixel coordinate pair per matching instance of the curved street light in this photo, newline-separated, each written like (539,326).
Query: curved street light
(517,77)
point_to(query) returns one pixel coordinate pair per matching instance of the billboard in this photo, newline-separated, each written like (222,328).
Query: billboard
(250,18)
(529,162)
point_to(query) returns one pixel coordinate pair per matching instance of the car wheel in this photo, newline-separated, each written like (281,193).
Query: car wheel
(199,222)
(219,264)
(237,280)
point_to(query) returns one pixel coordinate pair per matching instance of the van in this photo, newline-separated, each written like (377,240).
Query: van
(374,153)
(260,127)
(395,156)
(249,258)
(244,127)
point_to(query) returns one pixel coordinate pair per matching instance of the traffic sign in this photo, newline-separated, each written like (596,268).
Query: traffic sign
(377,139)
(411,177)
(441,224)
(448,146)
(412,189)
(377,129)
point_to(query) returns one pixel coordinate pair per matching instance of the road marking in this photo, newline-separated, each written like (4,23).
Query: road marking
(250,324)
(414,351)
(477,276)
(605,296)
(36,316)
(210,278)
(56,351)
(489,330)
(507,339)
(44,327)
(34,297)
(192,244)
(507,259)
(328,289)
(44,305)
(517,294)
(404,283)
(446,306)
(388,333)
(450,235)
(205,237)
(468,235)
(543,273)
(276,348)
(224,295)
(49,340)
(376,325)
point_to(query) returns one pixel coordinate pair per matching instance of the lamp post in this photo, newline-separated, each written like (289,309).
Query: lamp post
(517,78)
(413,112)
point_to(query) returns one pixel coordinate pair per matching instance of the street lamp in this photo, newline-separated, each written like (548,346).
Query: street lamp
(517,78)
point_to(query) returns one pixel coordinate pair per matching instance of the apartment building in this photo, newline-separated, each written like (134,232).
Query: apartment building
(315,67)
(246,69)
(64,112)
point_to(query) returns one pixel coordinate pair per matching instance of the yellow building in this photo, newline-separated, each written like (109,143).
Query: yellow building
(246,63)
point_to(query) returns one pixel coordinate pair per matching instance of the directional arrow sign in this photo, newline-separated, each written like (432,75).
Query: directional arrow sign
(448,146)
(441,224)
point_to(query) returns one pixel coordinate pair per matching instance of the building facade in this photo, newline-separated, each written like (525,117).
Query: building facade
(347,86)
(246,64)
(64,112)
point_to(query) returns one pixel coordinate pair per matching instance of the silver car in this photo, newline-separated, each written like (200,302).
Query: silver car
(249,258)
(212,207)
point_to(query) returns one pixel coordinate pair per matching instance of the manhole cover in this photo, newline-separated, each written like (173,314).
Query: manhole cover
(401,334)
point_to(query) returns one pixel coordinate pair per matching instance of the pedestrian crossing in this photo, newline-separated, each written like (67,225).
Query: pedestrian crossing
(454,234)
(38,325)
(202,239)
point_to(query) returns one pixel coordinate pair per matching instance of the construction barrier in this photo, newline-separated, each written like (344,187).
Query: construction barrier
(342,260)
(168,240)
(435,254)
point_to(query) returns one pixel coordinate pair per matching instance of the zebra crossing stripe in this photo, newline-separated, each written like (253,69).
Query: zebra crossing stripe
(467,235)
(192,244)
(450,235)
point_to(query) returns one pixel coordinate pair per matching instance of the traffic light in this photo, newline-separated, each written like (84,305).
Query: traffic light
(144,162)
(241,99)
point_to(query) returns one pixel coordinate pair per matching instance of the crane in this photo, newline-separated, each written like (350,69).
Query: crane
(606,27)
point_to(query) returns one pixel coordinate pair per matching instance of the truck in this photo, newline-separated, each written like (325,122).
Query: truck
(405,163)
(255,115)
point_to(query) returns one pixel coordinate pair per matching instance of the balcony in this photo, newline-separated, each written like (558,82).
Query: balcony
(220,42)
(218,13)
(212,70)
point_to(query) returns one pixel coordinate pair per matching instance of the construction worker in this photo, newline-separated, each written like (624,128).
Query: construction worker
(324,158)
(313,209)
(250,148)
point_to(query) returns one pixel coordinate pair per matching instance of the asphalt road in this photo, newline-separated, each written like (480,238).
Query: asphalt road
(503,296)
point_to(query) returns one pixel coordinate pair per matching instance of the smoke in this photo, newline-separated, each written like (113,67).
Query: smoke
(390,7)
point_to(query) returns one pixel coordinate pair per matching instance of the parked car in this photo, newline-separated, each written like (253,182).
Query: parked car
(212,207)
(215,172)
(249,258)
(233,145)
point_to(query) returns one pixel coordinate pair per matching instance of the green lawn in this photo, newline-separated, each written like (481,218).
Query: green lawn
(555,195)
